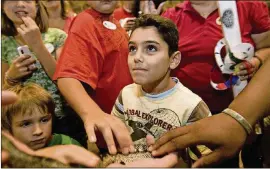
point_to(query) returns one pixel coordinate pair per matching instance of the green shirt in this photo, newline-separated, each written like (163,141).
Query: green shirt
(54,37)
(61,139)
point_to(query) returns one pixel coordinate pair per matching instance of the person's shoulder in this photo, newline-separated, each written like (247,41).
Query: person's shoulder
(84,17)
(130,87)
(185,92)
(6,39)
(130,90)
(248,5)
(65,140)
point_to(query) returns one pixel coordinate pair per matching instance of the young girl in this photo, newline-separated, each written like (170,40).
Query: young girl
(26,23)
(58,17)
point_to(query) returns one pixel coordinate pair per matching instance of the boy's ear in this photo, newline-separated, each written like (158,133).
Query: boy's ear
(175,59)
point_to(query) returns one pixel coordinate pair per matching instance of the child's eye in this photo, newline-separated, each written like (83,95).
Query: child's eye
(25,124)
(45,120)
(132,49)
(151,48)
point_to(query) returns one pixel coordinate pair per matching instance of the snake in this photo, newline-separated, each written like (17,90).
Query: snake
(19,159)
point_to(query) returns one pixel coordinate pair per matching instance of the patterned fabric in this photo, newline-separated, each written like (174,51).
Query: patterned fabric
(146,114)
(54,37)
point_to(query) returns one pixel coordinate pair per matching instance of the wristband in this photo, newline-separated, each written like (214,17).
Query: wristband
(10,81)
(240,119)
(261,61)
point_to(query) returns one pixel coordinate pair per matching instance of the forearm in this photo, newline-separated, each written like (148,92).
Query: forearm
(45,58)
(77,97)
(254,101)
(263,54)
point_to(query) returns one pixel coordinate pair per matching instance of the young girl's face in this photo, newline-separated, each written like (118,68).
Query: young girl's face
(15,10)
(32,128)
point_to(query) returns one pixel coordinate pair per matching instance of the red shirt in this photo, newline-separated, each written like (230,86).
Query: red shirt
(120,13)
(68,23)
(96,55)
(198,38)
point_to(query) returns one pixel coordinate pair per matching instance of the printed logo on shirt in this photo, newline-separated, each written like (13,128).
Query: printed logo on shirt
(154,123)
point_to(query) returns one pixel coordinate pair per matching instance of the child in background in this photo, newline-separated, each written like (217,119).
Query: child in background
(156,103)
(26,23)
(58,14)
(29,119)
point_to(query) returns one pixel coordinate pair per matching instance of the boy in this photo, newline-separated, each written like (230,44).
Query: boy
(91,71)
(29,119)
(156,102)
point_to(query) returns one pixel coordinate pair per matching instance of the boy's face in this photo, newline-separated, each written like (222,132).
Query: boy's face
(148,58)
(103,6)
(34,130)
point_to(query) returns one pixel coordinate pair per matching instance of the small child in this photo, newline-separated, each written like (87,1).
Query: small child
(156,103)
(30,118)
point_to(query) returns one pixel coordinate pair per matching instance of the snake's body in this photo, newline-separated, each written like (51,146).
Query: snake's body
(122,159)
(19,159)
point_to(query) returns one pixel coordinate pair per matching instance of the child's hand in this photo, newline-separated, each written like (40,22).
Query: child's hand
(21,67)
(30,32)
(246,69)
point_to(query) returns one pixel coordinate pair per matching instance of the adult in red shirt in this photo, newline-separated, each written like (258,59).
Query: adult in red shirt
(199,31)
(92,70)
(125,11)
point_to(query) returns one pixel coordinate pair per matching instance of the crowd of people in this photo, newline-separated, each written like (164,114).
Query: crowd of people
(116,73)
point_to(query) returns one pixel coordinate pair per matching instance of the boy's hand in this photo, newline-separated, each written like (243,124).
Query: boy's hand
(109,126)
(69,154)
(246,69)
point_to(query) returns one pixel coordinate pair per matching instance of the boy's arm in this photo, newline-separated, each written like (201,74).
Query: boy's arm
(118,108)
(93,117)
(201,111)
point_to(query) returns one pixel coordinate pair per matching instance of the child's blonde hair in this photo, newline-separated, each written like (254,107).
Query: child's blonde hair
(30,97)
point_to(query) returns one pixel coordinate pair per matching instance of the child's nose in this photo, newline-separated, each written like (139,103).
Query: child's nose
(38,130)
(138,57)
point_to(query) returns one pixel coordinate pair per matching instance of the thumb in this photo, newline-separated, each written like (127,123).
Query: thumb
(208,160)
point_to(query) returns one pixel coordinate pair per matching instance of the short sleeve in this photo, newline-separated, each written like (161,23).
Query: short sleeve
(201,111)
(260,19)
(118,108)
(7,49)
(81,59)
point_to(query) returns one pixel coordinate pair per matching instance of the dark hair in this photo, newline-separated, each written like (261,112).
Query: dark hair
(41,20)
(63,9)
(166,28)
(136,8)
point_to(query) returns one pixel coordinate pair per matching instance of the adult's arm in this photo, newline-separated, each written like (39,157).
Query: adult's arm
(221,132)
